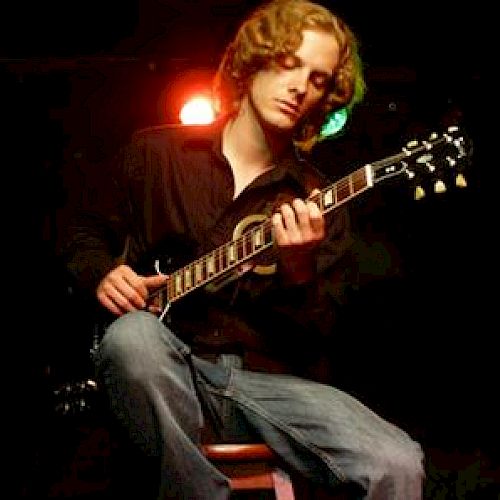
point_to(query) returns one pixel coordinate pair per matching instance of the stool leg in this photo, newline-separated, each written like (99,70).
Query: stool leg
(283,488)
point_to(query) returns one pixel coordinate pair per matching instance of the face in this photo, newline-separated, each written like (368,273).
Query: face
(283,94)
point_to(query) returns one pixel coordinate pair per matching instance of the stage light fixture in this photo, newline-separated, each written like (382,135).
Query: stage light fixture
(197,110)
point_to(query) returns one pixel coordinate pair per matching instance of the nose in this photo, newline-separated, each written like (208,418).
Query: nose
(298,81)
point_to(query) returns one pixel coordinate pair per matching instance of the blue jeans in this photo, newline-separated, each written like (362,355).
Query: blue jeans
(161,394)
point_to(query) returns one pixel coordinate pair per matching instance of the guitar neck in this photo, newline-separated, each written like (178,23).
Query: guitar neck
(234,253)
(344,189)
(439,154)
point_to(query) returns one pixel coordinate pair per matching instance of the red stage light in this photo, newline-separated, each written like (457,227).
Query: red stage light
(197,110)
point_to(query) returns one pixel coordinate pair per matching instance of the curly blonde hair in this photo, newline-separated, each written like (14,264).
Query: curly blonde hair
(275,29)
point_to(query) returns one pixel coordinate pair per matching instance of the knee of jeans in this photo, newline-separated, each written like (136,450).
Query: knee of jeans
(133,340)
(404,460)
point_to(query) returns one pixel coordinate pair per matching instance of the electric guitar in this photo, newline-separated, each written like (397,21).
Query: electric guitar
(435,161)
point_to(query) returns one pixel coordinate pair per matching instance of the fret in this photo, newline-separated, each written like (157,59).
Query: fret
(221,260)
(257,238)
(170,287)
(214,262)
(343,190)
(217,261)
(328,197)
(198,272)
(224,258)
(359,180)
(231,252)
(268,234)
(210,264)
(247,243)
(240,248)
(178,284)
(187,278)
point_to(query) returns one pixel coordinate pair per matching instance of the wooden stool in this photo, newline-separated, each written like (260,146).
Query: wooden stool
(251,467)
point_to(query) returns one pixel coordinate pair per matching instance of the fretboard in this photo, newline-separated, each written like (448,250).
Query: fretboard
(257,239)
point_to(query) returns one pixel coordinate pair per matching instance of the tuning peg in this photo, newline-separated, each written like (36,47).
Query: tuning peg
(451,161)
(419,193)
(460,181)
(430,166)
(439,186)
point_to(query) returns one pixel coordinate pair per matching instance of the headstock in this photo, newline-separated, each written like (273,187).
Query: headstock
(433,164)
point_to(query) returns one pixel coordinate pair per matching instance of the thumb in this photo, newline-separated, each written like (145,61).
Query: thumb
(156,280)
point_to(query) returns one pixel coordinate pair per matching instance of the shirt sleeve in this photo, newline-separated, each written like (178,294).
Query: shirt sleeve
(95,235)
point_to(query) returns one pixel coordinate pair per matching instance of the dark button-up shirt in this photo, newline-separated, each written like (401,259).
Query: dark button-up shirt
(165,202)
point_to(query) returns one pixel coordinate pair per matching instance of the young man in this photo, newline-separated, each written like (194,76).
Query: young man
(240,348)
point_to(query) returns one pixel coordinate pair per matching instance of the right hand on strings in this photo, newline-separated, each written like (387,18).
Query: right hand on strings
(123,290)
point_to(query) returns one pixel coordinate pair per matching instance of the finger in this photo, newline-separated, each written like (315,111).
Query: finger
(316,219)
(105,301)
(154,309)
(280,231)
(309,221)
(291,222)
(124,288)
(129,293)
(314,195)
(113,300)
(302,217)
(124,296)
(132,286)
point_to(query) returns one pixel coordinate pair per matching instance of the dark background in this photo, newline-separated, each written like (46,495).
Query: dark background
(78,77)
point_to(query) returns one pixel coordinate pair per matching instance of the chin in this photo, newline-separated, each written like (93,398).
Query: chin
(284,124)
(279,123)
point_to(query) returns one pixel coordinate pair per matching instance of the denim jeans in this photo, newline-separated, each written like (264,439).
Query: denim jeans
(162,394)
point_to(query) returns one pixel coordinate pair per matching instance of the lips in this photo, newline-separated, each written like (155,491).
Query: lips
(288,107)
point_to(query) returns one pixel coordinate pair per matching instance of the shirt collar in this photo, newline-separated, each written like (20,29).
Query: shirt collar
(290,163)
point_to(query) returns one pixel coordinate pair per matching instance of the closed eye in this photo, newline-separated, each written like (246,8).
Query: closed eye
(319,79)
(288,61)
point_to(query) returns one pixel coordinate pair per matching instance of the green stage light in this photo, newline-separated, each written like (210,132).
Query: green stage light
(334,123)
